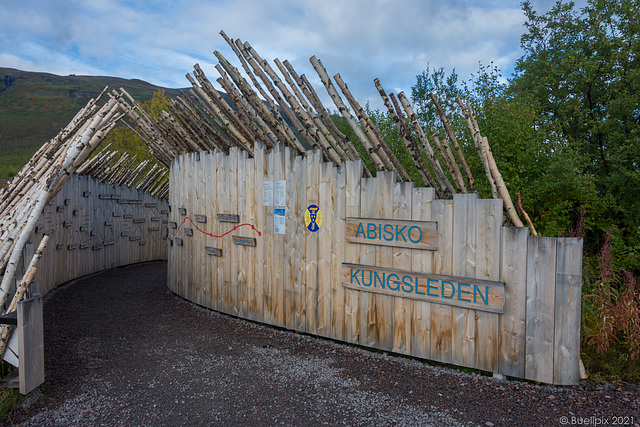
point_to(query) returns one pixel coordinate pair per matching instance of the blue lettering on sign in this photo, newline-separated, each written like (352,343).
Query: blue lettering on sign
(407,286)
(453,290)
(395,282)
(377,279)
(461,292)
(417,291)
(419,231)
(410,284)
(363,282)
(355,276)
(371,228)
(429,287)
(388,232)
(399,233)
(476,291)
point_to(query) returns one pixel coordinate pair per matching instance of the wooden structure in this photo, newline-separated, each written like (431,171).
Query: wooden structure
(276,218)
(269,267)
(95,226)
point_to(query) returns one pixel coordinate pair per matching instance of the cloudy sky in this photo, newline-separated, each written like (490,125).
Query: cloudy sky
(159,40)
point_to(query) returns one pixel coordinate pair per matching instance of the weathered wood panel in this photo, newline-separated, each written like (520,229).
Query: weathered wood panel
(87,236)
(568,300)
(541,293)
(513,320)
(295,279)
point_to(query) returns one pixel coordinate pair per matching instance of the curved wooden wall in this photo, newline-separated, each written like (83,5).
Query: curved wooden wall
(95,226)
(300,280)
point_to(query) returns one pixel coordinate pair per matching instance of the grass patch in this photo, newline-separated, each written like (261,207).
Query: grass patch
(614,365)
(10,399)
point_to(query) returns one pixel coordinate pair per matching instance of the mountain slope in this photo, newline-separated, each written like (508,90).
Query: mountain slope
(35,106)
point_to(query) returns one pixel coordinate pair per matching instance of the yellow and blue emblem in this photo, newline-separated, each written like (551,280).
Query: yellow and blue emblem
(313,218)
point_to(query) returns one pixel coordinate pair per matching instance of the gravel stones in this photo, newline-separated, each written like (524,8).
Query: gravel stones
(120,349)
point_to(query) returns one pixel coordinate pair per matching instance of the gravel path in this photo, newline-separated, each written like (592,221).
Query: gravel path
(120,349)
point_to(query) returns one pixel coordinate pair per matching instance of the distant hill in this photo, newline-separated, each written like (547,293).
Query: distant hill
(35,106)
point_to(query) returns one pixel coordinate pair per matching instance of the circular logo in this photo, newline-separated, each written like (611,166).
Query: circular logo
(313,218)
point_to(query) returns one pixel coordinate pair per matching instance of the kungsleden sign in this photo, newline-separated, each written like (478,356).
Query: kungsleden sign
(464,292)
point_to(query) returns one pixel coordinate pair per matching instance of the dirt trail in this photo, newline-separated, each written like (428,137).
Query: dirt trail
(120,349)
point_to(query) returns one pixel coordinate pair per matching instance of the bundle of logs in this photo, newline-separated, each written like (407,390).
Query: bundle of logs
(285,108)
(269,107)
(24,198)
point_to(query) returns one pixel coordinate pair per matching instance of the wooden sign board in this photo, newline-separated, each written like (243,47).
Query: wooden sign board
(213,251)
(229,218)
(201,218)
(244,241)
(390,232)
(483,295)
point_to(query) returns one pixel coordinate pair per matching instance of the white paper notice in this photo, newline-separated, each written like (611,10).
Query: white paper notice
(281,193)
(278,221)
(267,193)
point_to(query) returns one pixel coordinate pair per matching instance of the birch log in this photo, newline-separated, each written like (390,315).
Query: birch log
(21,289)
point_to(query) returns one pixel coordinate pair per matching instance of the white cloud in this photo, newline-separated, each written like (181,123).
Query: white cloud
(159,41)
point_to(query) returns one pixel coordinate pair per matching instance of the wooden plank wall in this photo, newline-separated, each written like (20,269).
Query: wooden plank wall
(293,280)
(95,226)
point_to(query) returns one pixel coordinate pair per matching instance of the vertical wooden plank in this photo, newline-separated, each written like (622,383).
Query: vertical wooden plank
(312,164)
(300,289)
(338,256)
(541,277)
(441,315)
(489,225)
(512,322)
(291,230)
(566,352)
(422,261)
(209,226)
(325,237)
(402,307)
(277,253)
(198,239)
(353,189)
(241,255)
(30,344)
(222,177)
(384,258)
(367,307)
(463,326)
(251,253)
(259,272)
(234,250)
(267,292)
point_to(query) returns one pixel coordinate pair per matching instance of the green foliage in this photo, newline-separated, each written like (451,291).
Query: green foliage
(581,74)
(611,319)
(9,398)
(389,131)
(35,106)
